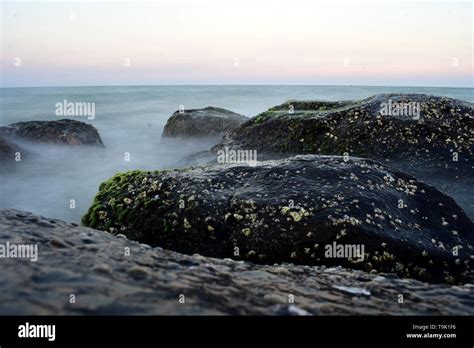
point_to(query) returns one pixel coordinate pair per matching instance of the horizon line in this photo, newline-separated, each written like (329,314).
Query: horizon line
(232,85)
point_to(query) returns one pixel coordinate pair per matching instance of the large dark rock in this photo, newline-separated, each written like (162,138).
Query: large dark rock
(93,265)
(437,148)
(202,123)
(8,151)
(10,155)
(65,131)
(359,129)
(289,211)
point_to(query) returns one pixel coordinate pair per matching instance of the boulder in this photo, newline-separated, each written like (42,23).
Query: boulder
(93,265)
(65,131)
(429,137)
(9,153)
(291,210)
(364,128)
(202,123)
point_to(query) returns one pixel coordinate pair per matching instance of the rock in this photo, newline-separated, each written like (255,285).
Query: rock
(291,210)
(101,268)
(202,123)
(9,152)
(353,290)
(103,285)
(65,131)
(359,129)
(438,148)
(57,242)
(138,272)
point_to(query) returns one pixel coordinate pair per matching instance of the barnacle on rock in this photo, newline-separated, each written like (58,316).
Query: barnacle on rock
(212,210)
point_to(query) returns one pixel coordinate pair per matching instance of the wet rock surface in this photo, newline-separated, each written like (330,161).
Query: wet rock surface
(362,128)
(92,265)
(65,131)
(289,211)
(199,123)
(8,154)
(435,144)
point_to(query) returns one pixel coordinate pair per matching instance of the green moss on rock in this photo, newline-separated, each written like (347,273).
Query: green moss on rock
(217,210)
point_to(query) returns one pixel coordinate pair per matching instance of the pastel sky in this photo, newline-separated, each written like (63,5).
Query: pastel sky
(386,43)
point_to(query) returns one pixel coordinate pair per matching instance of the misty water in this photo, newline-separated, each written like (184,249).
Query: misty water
(131,119)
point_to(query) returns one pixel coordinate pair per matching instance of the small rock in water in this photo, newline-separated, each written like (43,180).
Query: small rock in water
(65,131)
(206,122)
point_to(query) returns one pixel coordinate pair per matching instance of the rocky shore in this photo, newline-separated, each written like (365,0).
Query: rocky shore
(93,266)
(394,189)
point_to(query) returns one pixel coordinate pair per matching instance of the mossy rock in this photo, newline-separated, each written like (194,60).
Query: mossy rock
(65,131)
(289,210)
(437,148)
(207,122)
(357,128)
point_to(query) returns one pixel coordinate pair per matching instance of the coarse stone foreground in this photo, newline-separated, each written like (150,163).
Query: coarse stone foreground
(93,266)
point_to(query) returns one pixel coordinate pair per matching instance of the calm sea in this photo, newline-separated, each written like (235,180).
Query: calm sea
(131,119)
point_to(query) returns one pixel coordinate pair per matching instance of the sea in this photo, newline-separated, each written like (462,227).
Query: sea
(61,181)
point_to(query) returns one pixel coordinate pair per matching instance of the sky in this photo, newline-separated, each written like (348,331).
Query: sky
(297,42)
